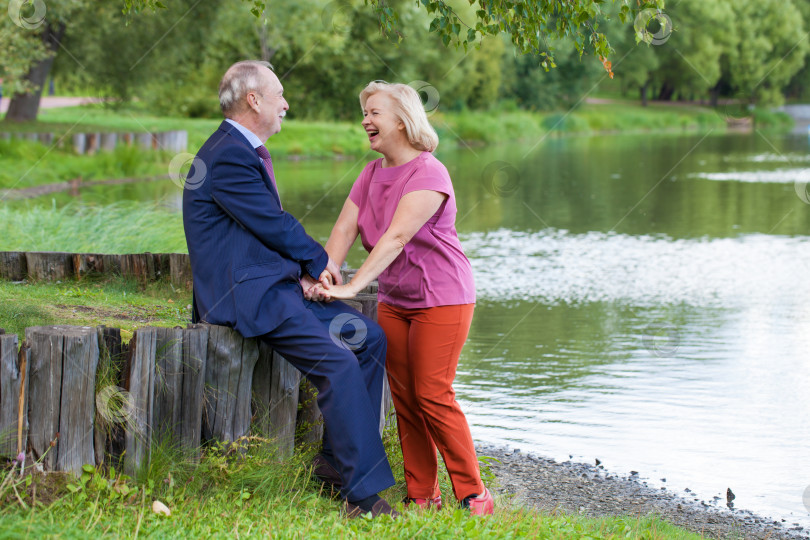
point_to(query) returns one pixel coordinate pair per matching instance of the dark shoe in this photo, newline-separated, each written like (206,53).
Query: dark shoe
(377,509)
(326,473)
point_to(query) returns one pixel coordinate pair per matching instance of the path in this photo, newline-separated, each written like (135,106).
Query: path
(53,102)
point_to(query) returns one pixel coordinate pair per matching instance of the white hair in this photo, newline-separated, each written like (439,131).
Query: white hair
(241,78)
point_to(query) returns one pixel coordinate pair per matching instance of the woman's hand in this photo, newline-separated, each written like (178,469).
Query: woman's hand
(340,292)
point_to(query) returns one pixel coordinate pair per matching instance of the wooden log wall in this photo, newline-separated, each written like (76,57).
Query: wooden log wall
(71,396)
(90,143)
(145,267)
(58,266)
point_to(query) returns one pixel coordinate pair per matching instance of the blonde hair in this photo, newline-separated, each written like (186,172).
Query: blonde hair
(241,78)
(409,109)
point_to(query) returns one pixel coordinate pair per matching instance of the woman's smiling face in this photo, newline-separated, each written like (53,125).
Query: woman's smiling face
(384,128)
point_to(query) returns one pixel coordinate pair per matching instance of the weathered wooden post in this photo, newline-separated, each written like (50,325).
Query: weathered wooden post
(113,405)
(13,395)
(108,141)
(164,378)
(62,387)
(228,381)
(275,398)
(87,264)
(309,420)
(49,265)
(179,384)
(13,265)
(79,143)
(180,270)
(139,381)
(141,266)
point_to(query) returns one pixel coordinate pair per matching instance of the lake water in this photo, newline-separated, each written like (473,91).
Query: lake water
(643,300)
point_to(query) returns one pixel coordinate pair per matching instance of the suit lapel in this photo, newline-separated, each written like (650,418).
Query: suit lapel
(230,130)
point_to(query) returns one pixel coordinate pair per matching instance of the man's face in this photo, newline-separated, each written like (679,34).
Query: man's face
(272,106)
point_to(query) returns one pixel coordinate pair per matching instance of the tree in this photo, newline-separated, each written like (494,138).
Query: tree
(32,32)
(528,23)
(771,49)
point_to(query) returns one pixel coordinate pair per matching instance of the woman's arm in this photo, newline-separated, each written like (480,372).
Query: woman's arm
(413,211)
(344,233)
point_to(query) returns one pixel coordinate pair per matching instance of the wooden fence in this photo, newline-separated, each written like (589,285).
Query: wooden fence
(72,395)
(56,265)
(90,143)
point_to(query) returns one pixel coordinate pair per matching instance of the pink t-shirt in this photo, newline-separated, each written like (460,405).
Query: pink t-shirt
(432,270)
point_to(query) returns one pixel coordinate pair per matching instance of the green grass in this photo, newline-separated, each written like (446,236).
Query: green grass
(490,128)
(25,164)
(255,494)
(92,229)
(113,301)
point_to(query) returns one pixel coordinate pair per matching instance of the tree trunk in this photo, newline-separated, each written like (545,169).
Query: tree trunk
(643,91)
(25,107)
(667,91)
(714,94)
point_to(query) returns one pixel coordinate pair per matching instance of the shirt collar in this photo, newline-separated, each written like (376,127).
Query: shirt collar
(249,135)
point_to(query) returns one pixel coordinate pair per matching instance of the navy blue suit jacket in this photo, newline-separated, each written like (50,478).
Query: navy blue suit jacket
(247,254)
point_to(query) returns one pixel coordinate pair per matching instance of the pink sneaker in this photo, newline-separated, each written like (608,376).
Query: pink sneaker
(424,504)
(481,505)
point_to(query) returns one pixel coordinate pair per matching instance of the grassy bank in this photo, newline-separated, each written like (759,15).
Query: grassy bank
(114,302)
(228,494)
(25,164)
(92,229)
(258,495)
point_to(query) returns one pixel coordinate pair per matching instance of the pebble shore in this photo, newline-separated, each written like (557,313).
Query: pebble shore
(579,488)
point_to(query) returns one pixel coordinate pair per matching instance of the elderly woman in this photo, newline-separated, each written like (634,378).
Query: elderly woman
(403,207)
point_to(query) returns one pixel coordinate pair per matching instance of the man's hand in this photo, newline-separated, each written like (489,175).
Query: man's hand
(334,270)
(313,289)
(308,284)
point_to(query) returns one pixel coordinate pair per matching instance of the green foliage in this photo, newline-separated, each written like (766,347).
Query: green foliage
(528,24)
(124,227)
(771,120)
(22,28)
(250,492)
(24,164)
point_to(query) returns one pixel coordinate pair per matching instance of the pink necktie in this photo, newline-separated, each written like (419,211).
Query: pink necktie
(268,165)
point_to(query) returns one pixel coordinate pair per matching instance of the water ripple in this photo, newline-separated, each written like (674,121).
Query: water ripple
(555,266)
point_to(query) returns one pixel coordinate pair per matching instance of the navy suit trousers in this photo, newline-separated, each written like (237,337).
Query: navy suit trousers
(342,353)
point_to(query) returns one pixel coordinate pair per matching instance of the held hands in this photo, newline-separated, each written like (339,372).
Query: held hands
(340,292)
(317,290)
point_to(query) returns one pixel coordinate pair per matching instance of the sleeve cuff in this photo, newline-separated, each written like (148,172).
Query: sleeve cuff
(316,267)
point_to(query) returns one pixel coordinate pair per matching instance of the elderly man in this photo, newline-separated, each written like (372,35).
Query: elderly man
(255,269)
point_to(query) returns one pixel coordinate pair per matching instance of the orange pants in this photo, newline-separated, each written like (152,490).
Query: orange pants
(423,350)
